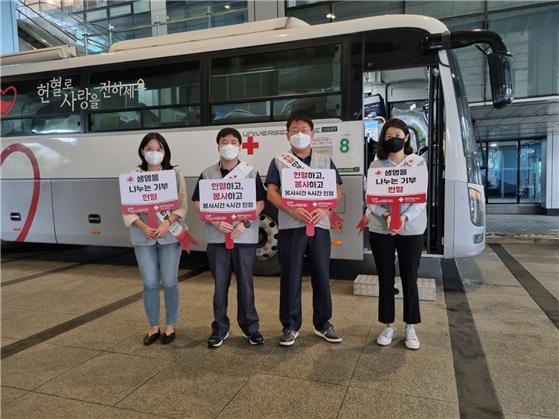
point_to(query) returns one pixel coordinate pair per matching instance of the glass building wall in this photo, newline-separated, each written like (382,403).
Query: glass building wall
(512,167)
(109,21)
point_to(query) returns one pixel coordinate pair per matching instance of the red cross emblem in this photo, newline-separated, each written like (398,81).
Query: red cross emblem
(250,145)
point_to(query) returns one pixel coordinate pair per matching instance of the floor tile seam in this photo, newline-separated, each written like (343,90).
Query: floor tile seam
(63,268)
(102,350)
(531,414)
(159,415)
(102,311)
(36,275)
(39,253)
(17,397)
(58,396)
(150,357)
(165,365)
(291,377)
(397,391)
(15,387)
(355,367)
(234,396)
(36,389)
(71,313)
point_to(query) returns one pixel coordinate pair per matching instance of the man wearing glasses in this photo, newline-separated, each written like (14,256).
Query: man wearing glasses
(293,242)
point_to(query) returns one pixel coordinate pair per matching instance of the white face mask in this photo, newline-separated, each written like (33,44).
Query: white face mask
(229,152)
(300,140)
(153,157)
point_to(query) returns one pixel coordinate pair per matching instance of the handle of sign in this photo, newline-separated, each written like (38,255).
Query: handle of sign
(310,230)
(152,218)
(395,216)
(229,243)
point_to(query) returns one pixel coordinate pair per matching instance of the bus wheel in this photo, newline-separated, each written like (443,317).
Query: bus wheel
(267,258)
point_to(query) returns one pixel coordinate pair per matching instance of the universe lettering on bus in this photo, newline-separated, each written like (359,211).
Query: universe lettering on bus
(85,98)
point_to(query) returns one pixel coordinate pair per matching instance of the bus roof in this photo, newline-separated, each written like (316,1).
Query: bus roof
(265,32)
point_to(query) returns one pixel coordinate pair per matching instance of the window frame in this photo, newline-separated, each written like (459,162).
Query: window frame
(342,44)
(47,75)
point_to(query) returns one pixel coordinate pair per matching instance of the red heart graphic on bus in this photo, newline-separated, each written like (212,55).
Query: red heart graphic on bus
(7,104)
(36,185)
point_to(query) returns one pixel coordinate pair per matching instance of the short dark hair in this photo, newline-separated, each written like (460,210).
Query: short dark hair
(166,163)
(382,154)
(224,132)
(299,118)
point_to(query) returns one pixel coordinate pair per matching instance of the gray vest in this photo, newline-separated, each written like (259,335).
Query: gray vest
(411,228)
(286,221)
(137,236)
(213,235)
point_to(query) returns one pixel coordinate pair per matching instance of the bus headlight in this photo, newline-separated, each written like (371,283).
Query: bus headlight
(477,210)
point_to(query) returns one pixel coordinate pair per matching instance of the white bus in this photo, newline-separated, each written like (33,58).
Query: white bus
(71,124)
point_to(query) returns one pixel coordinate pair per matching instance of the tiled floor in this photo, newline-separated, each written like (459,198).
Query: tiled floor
(522,224)
(101,369)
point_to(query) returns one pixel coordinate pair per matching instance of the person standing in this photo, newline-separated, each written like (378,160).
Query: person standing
(294,244)
(156,249)
(394,150)
(223,262)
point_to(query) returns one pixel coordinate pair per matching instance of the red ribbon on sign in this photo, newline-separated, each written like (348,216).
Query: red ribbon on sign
(362,223)
(336,221)
(185,239)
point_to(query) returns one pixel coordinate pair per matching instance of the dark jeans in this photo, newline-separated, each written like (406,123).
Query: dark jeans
(409,254)
(223,262)
(293,245)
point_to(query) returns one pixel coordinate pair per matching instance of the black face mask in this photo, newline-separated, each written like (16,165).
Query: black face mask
(394,145)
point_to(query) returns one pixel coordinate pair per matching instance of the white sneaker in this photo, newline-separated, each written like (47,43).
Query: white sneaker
(386,336)
(412,342)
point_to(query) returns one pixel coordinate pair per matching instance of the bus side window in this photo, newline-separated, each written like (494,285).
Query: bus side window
(40,105)
(275,85)
(140,97)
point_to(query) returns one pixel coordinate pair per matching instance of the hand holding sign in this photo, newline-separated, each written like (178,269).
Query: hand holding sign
(226,201)
(309,193)
(403,184)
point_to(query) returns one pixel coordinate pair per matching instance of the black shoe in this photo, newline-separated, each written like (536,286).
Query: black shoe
(166,339)
(215,341)
(255,338)
(149,339)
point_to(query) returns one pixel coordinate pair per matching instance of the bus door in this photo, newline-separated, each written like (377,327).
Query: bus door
(413,95)
(435,163)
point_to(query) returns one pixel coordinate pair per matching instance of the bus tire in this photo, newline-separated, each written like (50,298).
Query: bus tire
(267,258)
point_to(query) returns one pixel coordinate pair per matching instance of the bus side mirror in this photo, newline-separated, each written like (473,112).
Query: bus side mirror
(501,79)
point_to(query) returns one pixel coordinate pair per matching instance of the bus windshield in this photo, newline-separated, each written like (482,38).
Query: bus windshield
(466,126)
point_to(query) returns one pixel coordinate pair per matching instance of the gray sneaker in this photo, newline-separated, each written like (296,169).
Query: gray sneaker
(288,337)
(328,335)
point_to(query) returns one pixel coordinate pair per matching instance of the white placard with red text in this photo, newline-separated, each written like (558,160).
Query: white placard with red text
(142,192)
(227,200)
(408,183)
(308,188)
